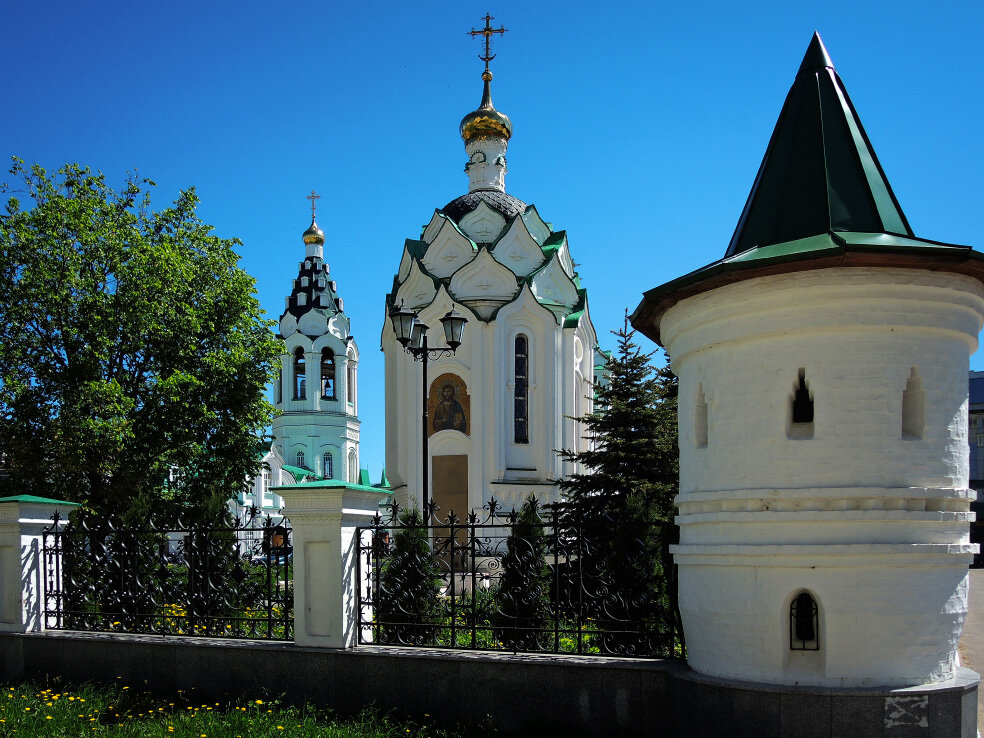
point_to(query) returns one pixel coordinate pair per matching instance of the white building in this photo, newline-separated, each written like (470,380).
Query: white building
(317,429)
(824,497)
(501,405)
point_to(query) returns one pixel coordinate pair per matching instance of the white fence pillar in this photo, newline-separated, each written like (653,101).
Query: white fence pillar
(22,577)
(323,517)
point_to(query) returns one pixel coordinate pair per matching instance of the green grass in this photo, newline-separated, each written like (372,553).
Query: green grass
(55,709)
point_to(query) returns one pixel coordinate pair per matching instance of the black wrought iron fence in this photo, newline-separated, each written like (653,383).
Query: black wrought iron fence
(232,579)
(547,582)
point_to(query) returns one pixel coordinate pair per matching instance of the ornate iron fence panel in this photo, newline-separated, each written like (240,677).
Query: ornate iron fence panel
(231,580)
(554,584)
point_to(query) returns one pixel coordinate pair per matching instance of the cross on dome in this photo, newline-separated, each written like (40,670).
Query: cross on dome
(314,206)
(488,32)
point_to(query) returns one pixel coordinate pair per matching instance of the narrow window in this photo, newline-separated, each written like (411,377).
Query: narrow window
(327,467)
(350,383)
(300,458)
(913,406)
(804,623)
(801,409)
(327,374)
(521,399)
(278,390)
(700,419)
(299,378)
(353,465)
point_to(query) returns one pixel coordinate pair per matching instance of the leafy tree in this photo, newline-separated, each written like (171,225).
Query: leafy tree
(621,504)
(133,352)
(409,584)
(523,595)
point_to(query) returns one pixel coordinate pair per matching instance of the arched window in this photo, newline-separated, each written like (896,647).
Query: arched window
(521,391)
(804,623)
(299,378)
(350,383)
(327,374)
(353,467)
(278,391)
(327,467)
(300,458)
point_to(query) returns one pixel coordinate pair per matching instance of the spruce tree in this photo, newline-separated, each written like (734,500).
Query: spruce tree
(409,585)
(634,458)
(620,503)
(523,596)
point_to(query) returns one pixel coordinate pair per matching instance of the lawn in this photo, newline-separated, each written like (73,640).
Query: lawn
(56,709)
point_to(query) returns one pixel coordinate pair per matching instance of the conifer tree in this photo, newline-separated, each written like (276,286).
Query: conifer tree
(621,502)
(409,584)
(522,598)
(634,459)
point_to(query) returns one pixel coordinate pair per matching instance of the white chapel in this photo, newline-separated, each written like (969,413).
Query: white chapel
(504,402)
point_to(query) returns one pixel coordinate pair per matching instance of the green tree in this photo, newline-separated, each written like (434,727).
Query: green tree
(522,598)
(633,458)
(622,501)
(410,584)
(133,351)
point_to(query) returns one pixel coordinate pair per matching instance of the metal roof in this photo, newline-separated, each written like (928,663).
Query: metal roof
(819,173)
(820,199)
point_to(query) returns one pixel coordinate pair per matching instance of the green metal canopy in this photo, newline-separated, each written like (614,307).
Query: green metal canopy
(820,199)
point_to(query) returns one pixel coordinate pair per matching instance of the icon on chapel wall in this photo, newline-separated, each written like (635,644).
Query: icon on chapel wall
(449,404)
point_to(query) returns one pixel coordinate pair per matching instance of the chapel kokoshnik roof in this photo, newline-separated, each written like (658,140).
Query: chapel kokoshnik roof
(538,259)
(820,199)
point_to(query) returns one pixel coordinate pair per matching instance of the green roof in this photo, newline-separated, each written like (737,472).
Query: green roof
(334,484)
(819,172)
(820,199)
(33,499)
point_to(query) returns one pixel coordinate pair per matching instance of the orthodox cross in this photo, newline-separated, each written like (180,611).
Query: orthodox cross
(487,32)
(312,197)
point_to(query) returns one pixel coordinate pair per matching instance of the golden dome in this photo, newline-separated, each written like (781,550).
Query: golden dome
(486,121)
(314,234)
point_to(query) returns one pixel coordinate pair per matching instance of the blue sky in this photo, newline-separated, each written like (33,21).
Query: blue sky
(638,127)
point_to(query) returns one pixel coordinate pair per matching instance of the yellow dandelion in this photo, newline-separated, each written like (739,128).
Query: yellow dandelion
(259,702)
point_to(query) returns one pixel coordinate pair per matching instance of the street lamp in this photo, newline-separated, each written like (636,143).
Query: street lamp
(412,335)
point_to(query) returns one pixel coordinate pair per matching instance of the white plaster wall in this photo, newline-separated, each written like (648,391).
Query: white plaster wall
(850,514)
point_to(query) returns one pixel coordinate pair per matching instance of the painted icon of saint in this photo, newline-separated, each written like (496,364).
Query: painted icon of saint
(449,414)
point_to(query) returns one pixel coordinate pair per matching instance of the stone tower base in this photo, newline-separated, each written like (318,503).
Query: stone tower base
(710,706)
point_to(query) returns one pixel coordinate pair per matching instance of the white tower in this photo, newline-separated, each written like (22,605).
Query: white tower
(824,501)
(317,428)
(527,358)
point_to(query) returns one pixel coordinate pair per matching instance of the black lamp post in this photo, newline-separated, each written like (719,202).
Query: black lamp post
(412,335)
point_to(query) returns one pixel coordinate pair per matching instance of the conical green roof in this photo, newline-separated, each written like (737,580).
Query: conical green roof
(820,200)
(819,173)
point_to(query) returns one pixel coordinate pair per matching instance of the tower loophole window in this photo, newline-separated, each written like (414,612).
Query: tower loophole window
(801,409)
(804,623)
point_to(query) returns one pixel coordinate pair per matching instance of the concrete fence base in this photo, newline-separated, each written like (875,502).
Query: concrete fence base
(517,694)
